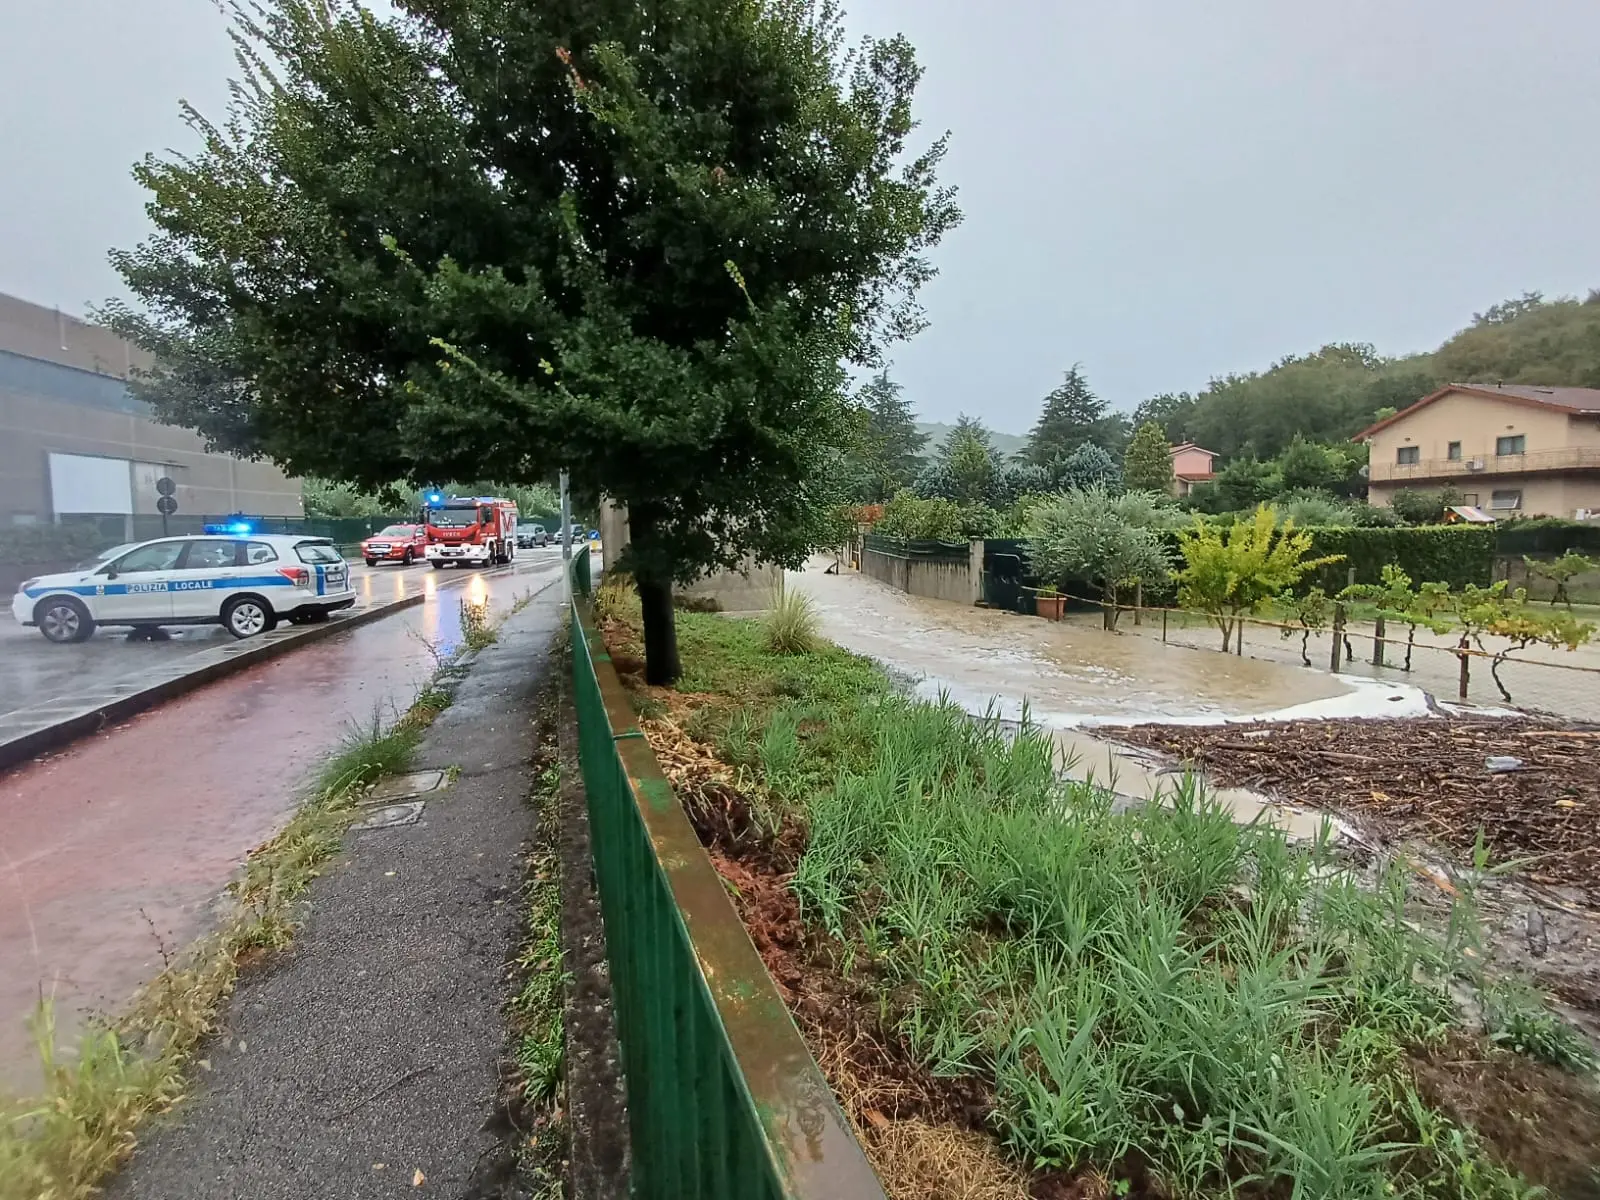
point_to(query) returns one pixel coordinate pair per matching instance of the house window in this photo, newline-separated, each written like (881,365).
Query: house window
(1453,452)
(1505,501)
(1470,499)
(1516,443)
(1408,455)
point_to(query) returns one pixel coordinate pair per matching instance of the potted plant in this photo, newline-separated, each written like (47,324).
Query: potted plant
(1048,602)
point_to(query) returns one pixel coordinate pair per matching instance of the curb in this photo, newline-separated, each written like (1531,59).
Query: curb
(83,715)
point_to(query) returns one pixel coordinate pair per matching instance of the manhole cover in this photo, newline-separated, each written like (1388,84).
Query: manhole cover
(391,815)
(403,787)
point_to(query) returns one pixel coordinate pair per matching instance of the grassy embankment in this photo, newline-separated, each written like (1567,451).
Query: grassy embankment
(1013,987)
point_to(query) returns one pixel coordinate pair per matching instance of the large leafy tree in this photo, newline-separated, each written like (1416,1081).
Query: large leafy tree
(1073,414)
(1147,465)
(488,238)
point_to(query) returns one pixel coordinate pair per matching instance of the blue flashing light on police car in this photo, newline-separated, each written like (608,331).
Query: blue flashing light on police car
(231,527)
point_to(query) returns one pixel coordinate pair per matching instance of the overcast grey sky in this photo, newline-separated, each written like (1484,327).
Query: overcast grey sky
(1163,190)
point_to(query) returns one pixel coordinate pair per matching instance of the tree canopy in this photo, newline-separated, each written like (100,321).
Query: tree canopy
(1147,465)
(1072,415)
(494,239)
(1332,393)
(890,449)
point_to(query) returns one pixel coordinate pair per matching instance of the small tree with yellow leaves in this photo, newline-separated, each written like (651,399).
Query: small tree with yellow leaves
(1229,573)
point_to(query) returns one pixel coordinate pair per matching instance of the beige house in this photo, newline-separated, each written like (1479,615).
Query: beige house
(75,445)
(1191,464)
(1511,449)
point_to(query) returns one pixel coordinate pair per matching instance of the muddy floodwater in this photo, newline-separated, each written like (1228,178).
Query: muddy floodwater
(1069,674)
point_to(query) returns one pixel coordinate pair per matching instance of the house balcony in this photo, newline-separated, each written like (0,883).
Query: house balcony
(1490,465)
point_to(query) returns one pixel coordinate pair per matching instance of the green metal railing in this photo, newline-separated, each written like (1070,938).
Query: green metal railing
(724,1100)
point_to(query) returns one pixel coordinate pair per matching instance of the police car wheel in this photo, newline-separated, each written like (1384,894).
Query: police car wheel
(406,559)
(62,619)
(246,616)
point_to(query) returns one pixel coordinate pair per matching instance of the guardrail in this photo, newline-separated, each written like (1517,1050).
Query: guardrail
(724,1099)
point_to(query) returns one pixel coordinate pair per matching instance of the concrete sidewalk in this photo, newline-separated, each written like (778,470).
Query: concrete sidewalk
(371,1052)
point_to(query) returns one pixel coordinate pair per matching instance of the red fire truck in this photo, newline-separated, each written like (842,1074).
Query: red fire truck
(481,530)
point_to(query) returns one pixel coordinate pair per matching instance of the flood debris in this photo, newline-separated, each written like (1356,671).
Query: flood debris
(1423,780)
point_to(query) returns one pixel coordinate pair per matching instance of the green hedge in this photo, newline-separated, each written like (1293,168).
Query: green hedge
(1546,535)
(30,545)
(1453,554)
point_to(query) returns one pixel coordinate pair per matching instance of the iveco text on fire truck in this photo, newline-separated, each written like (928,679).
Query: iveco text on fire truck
(481,530)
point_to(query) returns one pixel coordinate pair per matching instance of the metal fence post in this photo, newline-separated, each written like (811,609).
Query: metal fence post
(1138,602)
(1163,624)
(1377,642)
(1461,653)
(1338,637)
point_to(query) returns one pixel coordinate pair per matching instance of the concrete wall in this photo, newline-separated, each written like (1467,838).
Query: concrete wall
(750,589)
(63,389)
(959,582)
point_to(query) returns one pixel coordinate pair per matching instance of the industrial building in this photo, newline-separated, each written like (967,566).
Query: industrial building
(77,446)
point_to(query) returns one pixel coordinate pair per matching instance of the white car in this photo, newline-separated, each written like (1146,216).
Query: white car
(245,582)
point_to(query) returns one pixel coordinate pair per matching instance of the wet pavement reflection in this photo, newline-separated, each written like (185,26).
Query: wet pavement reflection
(114,850)
(37,671)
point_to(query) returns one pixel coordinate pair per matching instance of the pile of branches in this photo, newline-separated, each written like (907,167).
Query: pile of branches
(1427,780)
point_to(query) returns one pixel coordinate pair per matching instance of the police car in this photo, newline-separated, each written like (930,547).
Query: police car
(243,581)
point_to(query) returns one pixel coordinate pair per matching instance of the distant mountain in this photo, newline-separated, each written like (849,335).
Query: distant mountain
(1007,443)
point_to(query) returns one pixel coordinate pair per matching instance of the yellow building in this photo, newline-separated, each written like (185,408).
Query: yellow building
(1511,449)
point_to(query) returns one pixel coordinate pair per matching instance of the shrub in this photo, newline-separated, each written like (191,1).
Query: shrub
(1546,535)
(916,519)
(792,624)
(1230,572)
(1455,554)
(1424,508)
(1095,536)
(31,544)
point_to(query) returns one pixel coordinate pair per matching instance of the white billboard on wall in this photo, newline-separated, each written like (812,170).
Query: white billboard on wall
(82,483)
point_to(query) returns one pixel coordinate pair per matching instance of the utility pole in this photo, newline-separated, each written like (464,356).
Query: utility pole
(566,520)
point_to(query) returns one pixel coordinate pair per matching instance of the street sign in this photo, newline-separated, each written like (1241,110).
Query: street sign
(166,506)
(166,487)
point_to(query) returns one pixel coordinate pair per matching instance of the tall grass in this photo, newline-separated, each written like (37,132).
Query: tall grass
(792,625)
(1162,985)
(1160,991)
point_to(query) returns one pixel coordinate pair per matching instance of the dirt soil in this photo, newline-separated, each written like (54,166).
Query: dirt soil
(1422,780)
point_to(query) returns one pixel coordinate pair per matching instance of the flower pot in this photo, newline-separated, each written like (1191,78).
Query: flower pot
(1049,606)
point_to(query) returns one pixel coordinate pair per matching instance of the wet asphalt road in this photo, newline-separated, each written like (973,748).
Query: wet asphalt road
(114,850)
(36,671)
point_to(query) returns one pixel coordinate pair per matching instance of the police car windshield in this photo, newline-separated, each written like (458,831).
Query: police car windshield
(454,518)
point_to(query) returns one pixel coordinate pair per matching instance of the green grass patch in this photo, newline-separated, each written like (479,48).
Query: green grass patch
(1161,996)
(537,1012)
(60,1144)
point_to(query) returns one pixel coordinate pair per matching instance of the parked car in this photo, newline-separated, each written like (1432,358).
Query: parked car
(529,536)
(403,544)
(246,583)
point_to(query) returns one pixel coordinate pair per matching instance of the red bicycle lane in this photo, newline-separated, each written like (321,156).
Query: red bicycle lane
(114,851)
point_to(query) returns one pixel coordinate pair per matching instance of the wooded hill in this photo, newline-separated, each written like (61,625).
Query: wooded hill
(1328,395)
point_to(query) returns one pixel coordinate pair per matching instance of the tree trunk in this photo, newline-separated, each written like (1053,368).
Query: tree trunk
(661,666)
(653,577)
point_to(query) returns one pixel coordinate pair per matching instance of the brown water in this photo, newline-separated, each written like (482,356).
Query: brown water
(1067,673)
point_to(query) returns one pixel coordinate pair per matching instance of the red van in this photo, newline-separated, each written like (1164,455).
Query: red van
(403,544)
